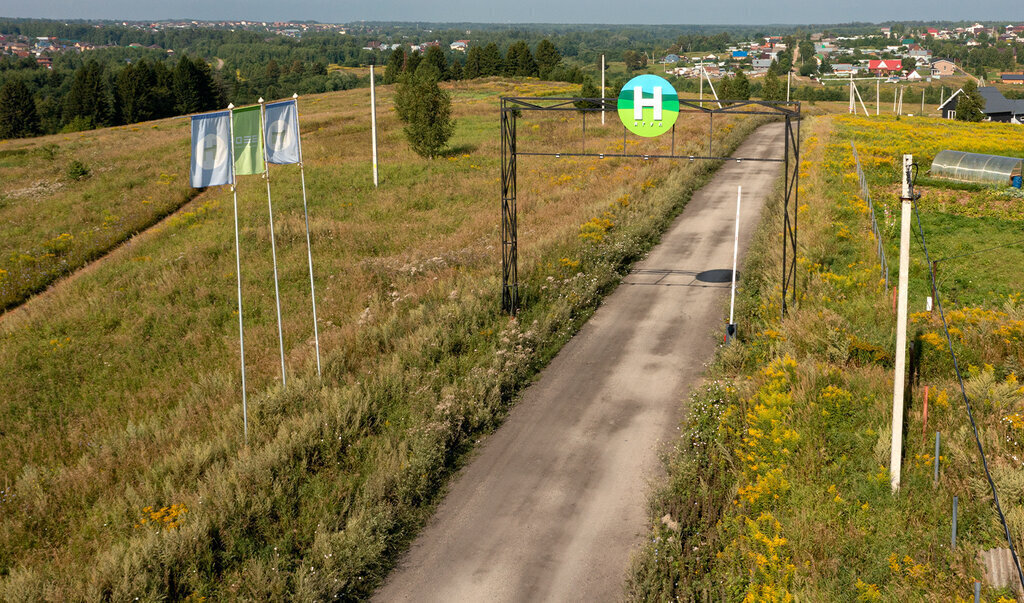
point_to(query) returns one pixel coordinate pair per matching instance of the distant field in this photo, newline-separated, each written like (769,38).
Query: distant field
(124,473)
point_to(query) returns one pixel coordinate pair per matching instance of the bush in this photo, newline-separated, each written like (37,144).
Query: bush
(78,171)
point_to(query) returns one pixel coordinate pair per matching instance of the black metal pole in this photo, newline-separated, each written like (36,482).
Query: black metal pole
(785,217)
(509,237)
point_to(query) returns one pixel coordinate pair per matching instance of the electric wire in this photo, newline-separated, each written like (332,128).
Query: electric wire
(967,401)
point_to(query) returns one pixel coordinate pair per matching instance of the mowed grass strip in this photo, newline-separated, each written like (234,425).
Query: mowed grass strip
(67,199)
(125,472)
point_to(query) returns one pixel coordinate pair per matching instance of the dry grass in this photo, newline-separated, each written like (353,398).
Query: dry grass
(125,384)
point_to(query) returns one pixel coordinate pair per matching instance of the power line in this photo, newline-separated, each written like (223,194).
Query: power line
(967,401)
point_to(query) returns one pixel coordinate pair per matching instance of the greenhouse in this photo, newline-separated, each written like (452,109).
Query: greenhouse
(975,167)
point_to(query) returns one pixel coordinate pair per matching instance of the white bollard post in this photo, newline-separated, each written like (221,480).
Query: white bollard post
(373,122)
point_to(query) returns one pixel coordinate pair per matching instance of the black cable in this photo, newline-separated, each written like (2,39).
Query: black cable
(963,255)
(967,402)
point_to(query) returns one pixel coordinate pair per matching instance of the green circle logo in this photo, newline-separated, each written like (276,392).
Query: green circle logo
(648,105)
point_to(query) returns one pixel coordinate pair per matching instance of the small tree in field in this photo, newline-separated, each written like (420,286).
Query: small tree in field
(426,111)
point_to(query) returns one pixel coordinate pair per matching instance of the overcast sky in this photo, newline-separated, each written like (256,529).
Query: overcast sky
(522,11)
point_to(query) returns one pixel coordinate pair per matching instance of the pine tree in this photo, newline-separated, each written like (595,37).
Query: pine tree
(519,62)
(588,90)
(548,58)
(18,116)
(491,61)
(194,87)
(87,104)
(426,111)
(739,87)
(435,57)
(135,91)
(474,67)
(396,63)
(773,89)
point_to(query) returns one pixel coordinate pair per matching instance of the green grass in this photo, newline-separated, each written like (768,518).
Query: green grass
(124,378)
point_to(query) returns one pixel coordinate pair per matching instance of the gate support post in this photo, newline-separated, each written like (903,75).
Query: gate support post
(509,238)
(791,188)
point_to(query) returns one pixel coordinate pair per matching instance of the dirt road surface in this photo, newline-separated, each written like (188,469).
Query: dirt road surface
(554,502)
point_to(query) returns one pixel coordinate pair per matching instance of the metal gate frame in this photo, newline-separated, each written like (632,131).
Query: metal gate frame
(512,108)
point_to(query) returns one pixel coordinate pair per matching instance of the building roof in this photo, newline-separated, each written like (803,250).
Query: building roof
(890,64)
(951,97)
(1012,77)
(995,102)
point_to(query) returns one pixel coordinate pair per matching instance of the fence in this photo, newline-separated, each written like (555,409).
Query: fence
(866,194)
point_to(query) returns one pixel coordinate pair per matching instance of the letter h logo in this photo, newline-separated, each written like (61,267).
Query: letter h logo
(639,102)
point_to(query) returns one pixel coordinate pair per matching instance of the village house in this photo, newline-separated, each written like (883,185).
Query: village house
(459,45)
(943,68)
(1016,77)
(885,67)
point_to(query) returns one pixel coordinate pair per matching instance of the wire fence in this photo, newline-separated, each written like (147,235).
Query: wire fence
(866,195)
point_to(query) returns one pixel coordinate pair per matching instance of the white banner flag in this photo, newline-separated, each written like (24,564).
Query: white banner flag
(211,149)
(281,132)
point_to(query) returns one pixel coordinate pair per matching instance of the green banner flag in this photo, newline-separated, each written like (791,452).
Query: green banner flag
(248,141)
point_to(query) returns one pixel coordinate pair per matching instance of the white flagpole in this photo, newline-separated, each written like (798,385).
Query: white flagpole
(273,246)
(238,273)
(373,122)
(602,89)
(309,248)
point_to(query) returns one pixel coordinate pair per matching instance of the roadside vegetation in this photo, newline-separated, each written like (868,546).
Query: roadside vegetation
(778,487)
(123,467)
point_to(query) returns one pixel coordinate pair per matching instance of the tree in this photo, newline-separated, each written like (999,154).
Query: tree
(474,67)
(491,61)
(548,58)
(519,61)
(773,89)
(634,60)
(136,85)
(396,63)
(18,117)
(970,105)
(435,57)
(588,90)
(427,113)
(194,87)
(88,100)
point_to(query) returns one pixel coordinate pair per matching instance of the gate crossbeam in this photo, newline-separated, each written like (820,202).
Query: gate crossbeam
(513,107)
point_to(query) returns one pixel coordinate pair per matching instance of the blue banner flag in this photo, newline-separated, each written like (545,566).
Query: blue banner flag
(211,149)
(281,132)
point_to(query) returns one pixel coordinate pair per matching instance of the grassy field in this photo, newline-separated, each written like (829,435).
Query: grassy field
(124,472)
(779,485)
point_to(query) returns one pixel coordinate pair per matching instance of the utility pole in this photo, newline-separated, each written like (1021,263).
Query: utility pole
(896,452)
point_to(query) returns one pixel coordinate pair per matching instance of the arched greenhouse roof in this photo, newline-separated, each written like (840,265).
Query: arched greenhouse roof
(975,167)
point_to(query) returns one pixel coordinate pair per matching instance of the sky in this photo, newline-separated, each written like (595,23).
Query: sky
(739,12)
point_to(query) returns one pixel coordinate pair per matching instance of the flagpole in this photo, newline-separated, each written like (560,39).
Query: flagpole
(238,273)
(309,248)
(273,248)
(373,121)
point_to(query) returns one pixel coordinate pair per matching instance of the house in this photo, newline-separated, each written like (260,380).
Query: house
(739,54)
(943,68)
(761,64)
(887,31)
(906,41)
(884,67)
(933,32)
(1012,78)
(670,59)
(460,45)
(843,69)
(997,108)
(948,108)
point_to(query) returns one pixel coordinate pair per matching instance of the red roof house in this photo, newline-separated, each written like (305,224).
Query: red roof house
(889,66)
